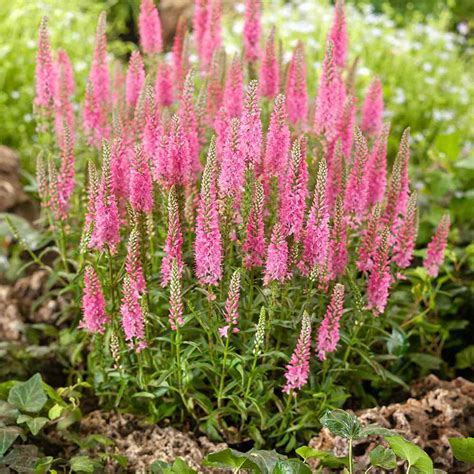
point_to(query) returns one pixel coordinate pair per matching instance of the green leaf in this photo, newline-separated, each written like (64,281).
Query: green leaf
(415,456)
(291,466)
(34,423)
(8,435)
(463,449)
(43,465)
(55,411)
(374,430)
(383,457)
(342,423)
(81,464)
(22,458)
(465,358)
(8,413)
(178,467)
(28,396)
(230,458)
(327,459)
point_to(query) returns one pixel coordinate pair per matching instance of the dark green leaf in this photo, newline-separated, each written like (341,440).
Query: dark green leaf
(28,396)
(374,430)
(291,466)
(415,456)
(8,413)
(8,435)
(463,449)
(465,358)
(342,423)
(327,459)
(34,423)
(22,458)
(383,457)
(230,458)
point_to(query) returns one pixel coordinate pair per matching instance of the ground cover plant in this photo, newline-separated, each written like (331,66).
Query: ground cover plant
(235,240)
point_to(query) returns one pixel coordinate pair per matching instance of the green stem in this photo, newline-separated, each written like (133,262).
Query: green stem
(224,362)
(350,455)
(111,278)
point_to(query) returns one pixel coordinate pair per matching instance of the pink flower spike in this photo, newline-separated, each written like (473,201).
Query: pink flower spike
(338,34)
(212,40)
(372,110)
(436,248)
(232,305)
(164,85)
(208,244)
(296,90)
(278,141)
(234,91)
(66,180)
(106,231)
(336,173)
(64,90)
(276,266)
(254,244)
(200,19)
(149,27)
(316,235)
(338,248)
(297,371)
(133,264)
(135,79)
(93,304)
(176,297)
(328,332)
(133,320)
(406,238)
(270,69)
(377,168)
(180,61)
(251,126)
(252,31)
(99,75)
(46,76)
(380,277)
(174,240)
(141,186)
(346,125)
(65,72)
(370,240)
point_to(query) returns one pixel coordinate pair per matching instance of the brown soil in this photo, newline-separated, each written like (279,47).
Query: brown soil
(438,410)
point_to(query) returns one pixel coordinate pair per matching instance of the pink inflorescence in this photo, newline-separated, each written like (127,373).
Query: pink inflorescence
(232,306)
(149,27)
(435,252)
(93,303)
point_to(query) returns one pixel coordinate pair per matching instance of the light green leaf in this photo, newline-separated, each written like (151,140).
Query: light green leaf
(383,457)
(81,464)
(178,467)
(34,423)
(463,449)
(342,423)
(55,411)
(28,396)
(327,459)
(291,466)
(415,456)
(230,458)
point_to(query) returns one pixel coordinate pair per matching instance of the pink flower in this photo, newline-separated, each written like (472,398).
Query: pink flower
(200,19)
(106,231)
(276,266)
(380,277)
(214,86)
(133,320)
(188,119)
(141,186)
(164,85)
(338,34)
(133,264)
(357,184)
(135,79)
(251,126)
(372,110)
(406,238)
(54,201)
(330,99)
(232,305)
(293,196)
(316,235)
(120,170)
(234,92)
(232,176)
(296,91)
(66,73)
(212,39)
(176,297)
(93,303)
(64,90)
(46,76)
(174,240)
(377,168)
(254,244)
(251,31)
(346,125)
(328,333)
(180,59)
(153,131)
(336,172)
(278,141)
(338,248)
(436,248)
(269,69)
(66,180)
(370,240)
(149,27)
(208,246)
(297,371)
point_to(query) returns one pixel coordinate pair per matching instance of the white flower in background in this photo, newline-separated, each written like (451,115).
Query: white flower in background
(443,115)
(15,95)
(463,28)
(427,67)
(430,80)
(239,8)
(80,66)
(400,97)
(364,71)
(27,118)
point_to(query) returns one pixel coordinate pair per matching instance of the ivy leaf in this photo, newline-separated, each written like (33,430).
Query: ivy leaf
(34,423)
(327,459)
(291,466)
(415,456)
(383,457)
(342,423)
(374,430)
(81,464)
(465,358)
(22,458)
(8,435)
(463,449)
(178,467)
(28,396)
(230,458)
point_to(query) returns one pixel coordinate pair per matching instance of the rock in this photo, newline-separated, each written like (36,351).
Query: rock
(11,323)
(441,410)
(11,191)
